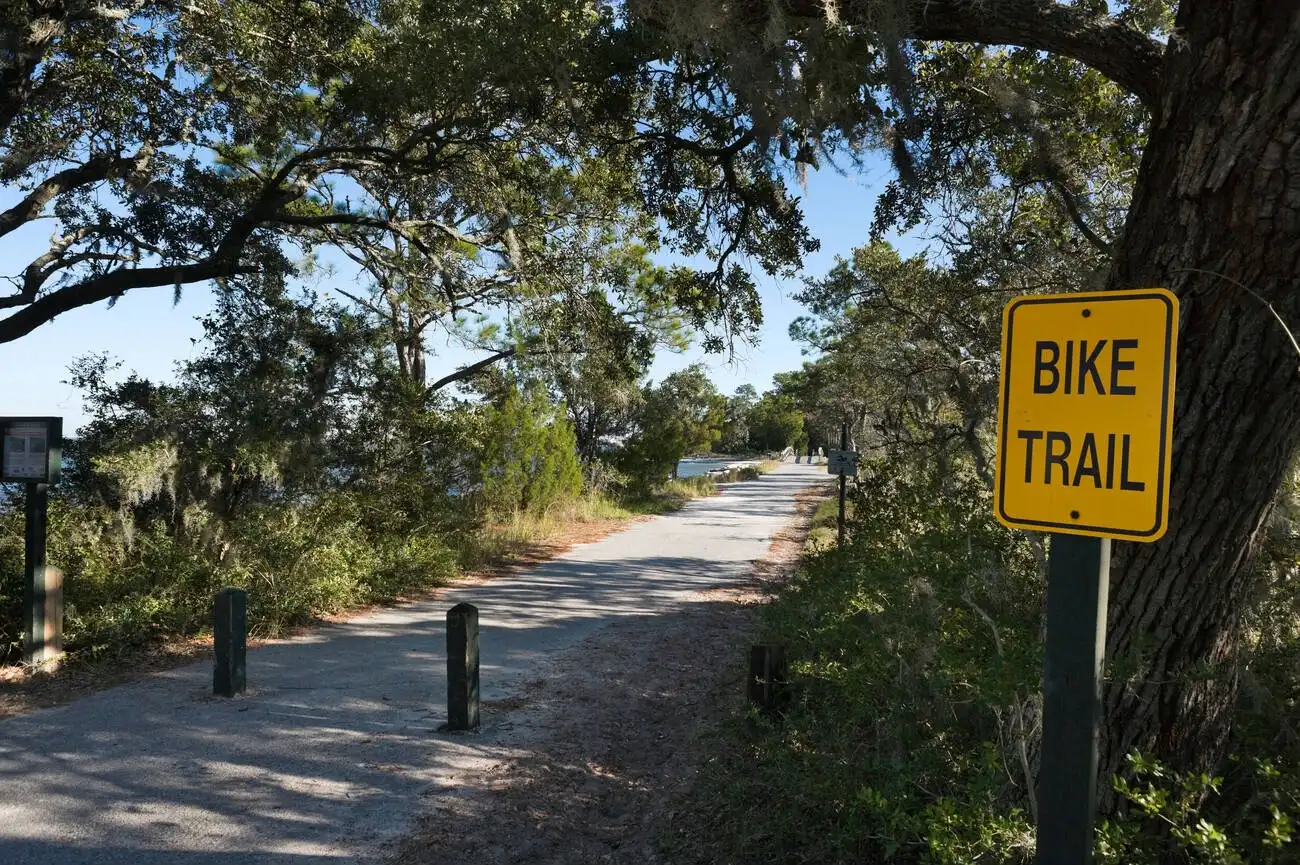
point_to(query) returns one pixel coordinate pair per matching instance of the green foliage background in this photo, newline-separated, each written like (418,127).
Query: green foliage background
(916,657)
(530,459)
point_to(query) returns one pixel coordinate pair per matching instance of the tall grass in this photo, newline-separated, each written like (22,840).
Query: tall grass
(825,524)
(524,531)
(127,588)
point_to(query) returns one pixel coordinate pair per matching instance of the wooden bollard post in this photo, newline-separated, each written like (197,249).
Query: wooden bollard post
(44,632)
(462,668)
(230,642)
(43,601)
(766,684)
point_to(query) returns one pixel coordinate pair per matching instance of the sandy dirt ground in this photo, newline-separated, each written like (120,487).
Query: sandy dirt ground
(608,738)
(600,669)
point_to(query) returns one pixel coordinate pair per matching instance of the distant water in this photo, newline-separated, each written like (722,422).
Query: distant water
(691,468)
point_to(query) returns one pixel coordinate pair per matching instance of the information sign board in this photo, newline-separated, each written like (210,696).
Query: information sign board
(30,449)
(842,463)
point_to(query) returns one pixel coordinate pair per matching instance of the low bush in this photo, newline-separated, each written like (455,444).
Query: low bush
(128,587)
(125,588)
(680,490)
(915,655)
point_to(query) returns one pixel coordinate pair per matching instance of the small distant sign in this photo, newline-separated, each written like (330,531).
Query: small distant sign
(30,449)
(842,463)
(1087,413)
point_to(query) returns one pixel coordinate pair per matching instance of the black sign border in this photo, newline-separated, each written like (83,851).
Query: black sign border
(1168,396)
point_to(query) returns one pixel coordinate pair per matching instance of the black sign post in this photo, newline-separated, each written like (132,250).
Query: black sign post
(230,642)
(1078,578)
(32,454)
(844,446)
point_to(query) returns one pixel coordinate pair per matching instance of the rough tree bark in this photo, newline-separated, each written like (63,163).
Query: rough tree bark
(1218,193)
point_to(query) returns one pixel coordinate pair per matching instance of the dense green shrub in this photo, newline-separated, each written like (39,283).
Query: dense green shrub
(684,414)
(1195,822)
(911,649)
(125,589)
(916,662)
(530,460)
(775,423)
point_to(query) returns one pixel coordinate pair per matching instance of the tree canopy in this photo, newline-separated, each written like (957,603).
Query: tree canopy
(466,155)
(681,415)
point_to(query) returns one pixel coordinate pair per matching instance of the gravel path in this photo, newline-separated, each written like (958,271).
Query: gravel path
(333,753)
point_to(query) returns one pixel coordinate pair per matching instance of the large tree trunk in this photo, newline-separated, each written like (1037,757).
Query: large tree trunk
(1219,192)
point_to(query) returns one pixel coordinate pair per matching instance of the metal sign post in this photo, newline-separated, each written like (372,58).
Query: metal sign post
(1085,412)
(1078,578)
(842,462)
(844,446)
(32,454)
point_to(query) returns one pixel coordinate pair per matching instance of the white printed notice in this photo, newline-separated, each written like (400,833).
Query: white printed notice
(24,451)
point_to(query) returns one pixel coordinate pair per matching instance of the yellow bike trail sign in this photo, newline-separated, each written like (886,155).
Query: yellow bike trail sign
(1086,412)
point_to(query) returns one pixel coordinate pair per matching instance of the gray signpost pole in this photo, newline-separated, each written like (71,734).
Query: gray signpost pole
(1078,579)
(43,605)
(844,446)
(31,453)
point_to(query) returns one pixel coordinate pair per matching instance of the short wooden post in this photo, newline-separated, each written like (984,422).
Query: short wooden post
(230,642)
(462,668)
(766,684)
(43,603)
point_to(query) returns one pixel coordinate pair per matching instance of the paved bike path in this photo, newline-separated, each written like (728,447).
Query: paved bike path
(327,755)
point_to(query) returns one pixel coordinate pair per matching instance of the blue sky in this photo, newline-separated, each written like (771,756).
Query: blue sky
(149,335)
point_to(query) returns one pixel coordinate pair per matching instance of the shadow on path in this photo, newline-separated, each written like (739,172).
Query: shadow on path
(327,755)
